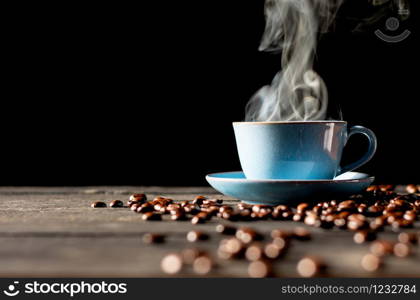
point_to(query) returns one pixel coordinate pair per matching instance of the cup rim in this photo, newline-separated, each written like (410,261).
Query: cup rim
(288,122)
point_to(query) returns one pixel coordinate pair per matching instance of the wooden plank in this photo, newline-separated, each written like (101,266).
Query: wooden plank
(54,232)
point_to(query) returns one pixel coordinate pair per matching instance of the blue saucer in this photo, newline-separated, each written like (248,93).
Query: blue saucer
(277,191)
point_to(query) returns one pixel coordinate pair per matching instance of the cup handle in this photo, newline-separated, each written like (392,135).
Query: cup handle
(370,152)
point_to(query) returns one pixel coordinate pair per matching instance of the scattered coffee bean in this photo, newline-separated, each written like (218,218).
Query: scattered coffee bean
(381,247)
(231,248)
(401,250)
(116,203)
(273,251)
(301,233)
(153,238)
(371,262)
(136,198)
(364,236)
(171,263)
(225,229)
(98,204)
(151,216)
(411,188)
(310,267)
(195,236)
(178,215)
(142,208)
(259,269)
(199,200)
(408,238)
(280,233)
(302,207)
(202,265)
(254,252)
(190,254)
(247,235)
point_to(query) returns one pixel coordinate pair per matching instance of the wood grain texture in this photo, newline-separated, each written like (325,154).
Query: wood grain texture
(52,231)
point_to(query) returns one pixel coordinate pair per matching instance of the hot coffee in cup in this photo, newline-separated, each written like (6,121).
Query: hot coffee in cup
(297,149)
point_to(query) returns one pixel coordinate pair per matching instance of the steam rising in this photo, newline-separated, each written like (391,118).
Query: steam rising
(297,92)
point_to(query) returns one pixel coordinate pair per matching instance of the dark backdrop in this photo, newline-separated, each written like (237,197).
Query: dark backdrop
(145,95)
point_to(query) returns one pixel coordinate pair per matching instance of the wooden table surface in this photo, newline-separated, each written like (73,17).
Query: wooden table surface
(53,231)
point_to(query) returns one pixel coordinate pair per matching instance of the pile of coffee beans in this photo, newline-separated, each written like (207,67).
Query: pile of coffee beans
(364,214)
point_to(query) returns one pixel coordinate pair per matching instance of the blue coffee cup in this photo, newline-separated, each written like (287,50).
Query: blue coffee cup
(303,150)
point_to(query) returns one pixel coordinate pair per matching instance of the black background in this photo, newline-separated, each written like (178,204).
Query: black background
(145,95)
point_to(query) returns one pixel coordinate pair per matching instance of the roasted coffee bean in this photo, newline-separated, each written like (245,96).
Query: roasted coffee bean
(134,206)
(356,223)
(312,220)
(401,223)
(245,215)
(310,267)
(258,208)
(402,250)
(153,238)
(184,203)
(301,234)
(254,252)
(386,187)
(190,254)
(364,236)
(298,217)
(410,215)
(229,215)
(273,251)
(174,206)
(225,229)
(178,215)
(211,210)
(302,207)
(329,218)
(374,211)
(195,236)
(316,210)
(191,209)
(340,223)
(328,211)
(259,269)
(371,262)
(202,265)
(411,188)
(159,207)
(158,199)
(244,206)
(381,247)
(116,203)
(143,208)
(275,233)
(225,208)
(348,205)
(98,204)
(231,248)
(198,220)
(372,188)
(151,216)
(247,235)
(362,208)
(408,238)
(171,263)
(280,242)
(137,198)
(199,200)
